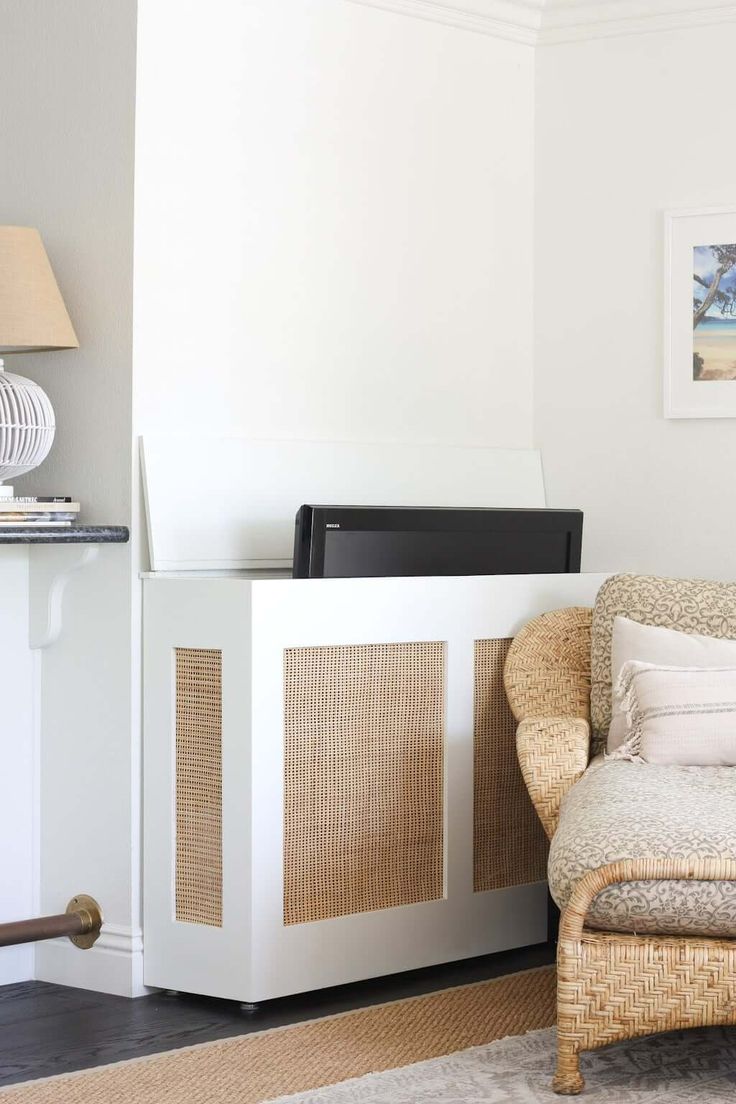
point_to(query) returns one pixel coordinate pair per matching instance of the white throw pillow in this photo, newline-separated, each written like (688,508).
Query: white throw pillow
(679,716)
(664,647)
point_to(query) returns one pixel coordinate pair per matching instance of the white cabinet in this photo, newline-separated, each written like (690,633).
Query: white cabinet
(317,781)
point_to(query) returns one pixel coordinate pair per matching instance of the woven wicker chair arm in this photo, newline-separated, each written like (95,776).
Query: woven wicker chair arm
(547,669)
(637,870)
(553,754)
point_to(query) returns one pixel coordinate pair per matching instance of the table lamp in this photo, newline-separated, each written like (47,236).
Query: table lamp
(33,318)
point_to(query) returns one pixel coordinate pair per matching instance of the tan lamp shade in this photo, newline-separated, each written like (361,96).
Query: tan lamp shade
(32,313)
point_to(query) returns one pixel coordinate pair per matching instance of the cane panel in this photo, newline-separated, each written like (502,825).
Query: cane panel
(509,844)
(198,863)
(363,786)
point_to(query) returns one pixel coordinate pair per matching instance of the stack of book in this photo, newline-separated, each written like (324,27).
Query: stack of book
(55,510)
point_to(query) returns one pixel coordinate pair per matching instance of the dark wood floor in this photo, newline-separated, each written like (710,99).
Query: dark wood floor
(50,1029)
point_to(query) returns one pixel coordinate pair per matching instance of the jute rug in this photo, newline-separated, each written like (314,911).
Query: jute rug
(335,1060)
(253,1068)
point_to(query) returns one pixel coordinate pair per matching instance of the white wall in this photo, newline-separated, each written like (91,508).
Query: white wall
(17,778)
(333,224)
(333,239)
(67,88)
(626,129)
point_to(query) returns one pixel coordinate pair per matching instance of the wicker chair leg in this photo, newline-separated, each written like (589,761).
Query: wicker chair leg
(568,1080)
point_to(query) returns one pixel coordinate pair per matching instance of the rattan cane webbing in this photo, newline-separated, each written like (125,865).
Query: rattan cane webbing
(198,876)
(547,680)
(509,843)
(613,986)
(625,985)
(363,786)
(548,671)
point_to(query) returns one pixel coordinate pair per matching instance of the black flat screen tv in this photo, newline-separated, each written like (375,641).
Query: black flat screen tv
(345,542)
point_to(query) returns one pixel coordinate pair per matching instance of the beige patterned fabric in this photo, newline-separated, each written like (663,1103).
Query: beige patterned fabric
(690,605)
(620,810)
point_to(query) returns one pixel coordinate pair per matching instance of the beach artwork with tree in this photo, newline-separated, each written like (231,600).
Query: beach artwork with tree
(714,312)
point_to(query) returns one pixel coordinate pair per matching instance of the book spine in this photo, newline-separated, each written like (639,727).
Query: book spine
(8,506)
(38,515)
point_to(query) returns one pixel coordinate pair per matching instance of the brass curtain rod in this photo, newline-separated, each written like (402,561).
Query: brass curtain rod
(81,923)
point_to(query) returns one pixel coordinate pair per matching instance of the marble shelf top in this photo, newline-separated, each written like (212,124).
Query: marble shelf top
(72,534)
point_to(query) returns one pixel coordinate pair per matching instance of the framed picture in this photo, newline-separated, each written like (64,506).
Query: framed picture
(700,314)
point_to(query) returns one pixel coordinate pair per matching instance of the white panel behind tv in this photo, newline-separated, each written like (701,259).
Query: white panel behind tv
(227,503)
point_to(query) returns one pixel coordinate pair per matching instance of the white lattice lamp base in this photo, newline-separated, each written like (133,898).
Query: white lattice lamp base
(27,426)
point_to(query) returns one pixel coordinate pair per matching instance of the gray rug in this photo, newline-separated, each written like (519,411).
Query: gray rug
(692,1067)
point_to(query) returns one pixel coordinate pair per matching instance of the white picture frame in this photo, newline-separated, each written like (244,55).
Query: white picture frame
(686,396)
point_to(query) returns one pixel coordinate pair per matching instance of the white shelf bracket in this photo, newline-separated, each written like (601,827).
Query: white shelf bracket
(50,573)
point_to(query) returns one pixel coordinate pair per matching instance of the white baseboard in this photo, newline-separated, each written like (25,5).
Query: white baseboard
(113,965)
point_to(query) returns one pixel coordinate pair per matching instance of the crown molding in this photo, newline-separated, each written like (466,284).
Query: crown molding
(577,20)
(547,22)
(516,20)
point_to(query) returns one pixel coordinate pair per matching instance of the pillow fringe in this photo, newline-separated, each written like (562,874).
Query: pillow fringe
(629,704)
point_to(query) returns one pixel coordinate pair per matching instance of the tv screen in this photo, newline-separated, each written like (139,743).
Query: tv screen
(342,542)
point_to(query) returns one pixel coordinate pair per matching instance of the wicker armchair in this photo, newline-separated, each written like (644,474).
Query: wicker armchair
(611,985)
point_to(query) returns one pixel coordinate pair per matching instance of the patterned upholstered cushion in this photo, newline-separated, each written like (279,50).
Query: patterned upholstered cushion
(690,605)
(621,810)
